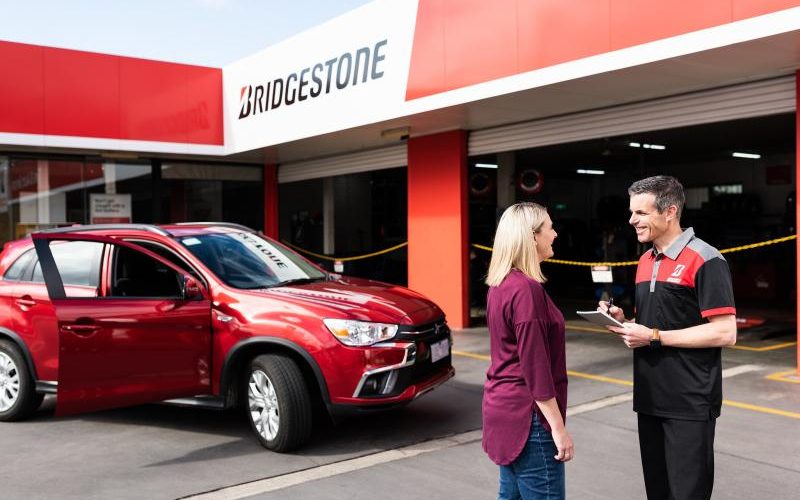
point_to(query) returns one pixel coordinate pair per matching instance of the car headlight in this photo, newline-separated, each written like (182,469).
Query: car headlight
(359,333)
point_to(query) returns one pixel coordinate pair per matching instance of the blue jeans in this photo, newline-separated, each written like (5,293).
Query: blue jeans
(535,474)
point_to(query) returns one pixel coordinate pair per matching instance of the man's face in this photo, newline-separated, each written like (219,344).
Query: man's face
(645,219)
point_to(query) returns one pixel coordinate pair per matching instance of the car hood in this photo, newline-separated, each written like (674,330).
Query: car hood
(365,300)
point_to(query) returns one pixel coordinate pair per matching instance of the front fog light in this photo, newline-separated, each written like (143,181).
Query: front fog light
(359,333)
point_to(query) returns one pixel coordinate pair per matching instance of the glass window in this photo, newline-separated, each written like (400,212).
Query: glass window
(20,265)
(78,262)
(170,256)
(40,193)
(135,274)
(247,261)
(197,192)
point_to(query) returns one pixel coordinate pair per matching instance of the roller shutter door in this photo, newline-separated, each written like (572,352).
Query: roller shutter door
(363,161)
(749,100)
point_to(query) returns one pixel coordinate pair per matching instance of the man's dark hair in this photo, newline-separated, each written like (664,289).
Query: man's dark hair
(666,189)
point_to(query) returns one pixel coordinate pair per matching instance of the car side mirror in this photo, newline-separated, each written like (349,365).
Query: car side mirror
(191,289)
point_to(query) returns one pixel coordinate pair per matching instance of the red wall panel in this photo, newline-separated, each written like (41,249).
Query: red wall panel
(428,54)
(437,222)
(465,42)
(271,200)
(203,105)
(73,93)
(81,94)
(493,39)
(634,22)
(170,102)
(21,88)
(743,9)
(550,34)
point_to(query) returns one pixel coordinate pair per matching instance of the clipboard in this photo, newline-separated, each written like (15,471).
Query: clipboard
(599,318)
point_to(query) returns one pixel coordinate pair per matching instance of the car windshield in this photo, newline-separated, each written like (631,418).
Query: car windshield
(248,261)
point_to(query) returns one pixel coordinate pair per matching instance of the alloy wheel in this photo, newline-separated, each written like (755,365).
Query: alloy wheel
(263,404)
(9,382)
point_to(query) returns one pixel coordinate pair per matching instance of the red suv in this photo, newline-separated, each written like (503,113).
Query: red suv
(210,314)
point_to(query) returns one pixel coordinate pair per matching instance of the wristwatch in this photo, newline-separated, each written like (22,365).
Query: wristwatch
(655,339)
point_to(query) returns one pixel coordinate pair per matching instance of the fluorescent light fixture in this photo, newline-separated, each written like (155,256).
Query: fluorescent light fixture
(647,146)
(590,172)
(486,165)
(752,156)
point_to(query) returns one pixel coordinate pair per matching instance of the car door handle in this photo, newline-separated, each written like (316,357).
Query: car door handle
(25,301)
(80,329)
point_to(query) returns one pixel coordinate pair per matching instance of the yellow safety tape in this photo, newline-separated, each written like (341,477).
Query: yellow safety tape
(635,262)
(549,261)
(346,259)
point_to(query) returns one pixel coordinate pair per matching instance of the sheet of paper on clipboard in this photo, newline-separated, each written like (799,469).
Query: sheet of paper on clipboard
(599,318)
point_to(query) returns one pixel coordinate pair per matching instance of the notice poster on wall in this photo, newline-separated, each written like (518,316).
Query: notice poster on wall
(109,208)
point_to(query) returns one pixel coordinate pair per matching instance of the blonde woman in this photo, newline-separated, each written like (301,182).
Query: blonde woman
(525,394)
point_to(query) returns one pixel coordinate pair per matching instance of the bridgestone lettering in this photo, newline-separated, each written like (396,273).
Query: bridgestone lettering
(349,69)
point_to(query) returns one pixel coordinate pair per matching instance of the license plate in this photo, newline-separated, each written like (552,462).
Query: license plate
(440,350)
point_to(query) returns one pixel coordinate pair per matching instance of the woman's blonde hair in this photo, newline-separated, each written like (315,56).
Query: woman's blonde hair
(515,245)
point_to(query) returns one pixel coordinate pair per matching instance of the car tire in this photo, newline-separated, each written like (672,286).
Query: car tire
(278,402)
(18,396)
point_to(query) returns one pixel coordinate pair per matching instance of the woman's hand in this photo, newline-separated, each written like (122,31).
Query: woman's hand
(566,450)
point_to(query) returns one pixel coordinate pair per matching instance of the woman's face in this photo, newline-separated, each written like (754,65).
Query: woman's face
(545,236)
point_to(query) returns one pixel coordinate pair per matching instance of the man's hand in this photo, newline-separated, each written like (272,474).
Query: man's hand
(633,334)
(615,312)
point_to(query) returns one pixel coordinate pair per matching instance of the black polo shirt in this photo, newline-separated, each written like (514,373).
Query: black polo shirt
(677,289)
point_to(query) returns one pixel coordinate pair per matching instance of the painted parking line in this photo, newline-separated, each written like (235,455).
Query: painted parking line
(270,484)
(764,348)
(789,376)
(738,347)
(738,370)
(761,409)
(600,403)
(726,402)
(571,373)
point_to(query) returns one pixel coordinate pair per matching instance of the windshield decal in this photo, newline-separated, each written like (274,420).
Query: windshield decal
(284,269)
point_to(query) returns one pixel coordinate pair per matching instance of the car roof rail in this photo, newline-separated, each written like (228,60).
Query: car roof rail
(231,225)
(105,227)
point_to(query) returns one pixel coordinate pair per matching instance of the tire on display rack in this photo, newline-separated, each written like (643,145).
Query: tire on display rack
(278,402)
(530,181)
(18,396)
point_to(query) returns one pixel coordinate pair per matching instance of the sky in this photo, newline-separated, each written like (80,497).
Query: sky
(202,32)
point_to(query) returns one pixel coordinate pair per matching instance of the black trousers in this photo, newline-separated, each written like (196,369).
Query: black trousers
(677,457)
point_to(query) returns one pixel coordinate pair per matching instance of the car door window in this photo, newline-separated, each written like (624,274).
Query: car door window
(171,256)
(135,274)
(78,262)
(17,269)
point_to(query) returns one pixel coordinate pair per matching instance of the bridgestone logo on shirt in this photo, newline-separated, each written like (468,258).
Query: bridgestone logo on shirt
(348,69)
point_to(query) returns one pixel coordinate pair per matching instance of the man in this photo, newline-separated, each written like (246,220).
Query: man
(684,315)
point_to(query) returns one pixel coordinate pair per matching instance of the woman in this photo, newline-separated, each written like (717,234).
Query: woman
(525,395)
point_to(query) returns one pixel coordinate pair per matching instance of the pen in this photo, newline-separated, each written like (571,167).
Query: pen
(610,304)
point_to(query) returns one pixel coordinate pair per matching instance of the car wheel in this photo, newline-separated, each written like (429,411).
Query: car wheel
(18,397)
(278,403)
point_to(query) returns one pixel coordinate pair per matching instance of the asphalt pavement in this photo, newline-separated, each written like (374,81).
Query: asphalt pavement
(429,448)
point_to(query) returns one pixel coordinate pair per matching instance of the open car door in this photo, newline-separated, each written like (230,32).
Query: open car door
(146,337)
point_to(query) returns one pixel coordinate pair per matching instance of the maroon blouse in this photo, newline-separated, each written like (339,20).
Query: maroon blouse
(528,364)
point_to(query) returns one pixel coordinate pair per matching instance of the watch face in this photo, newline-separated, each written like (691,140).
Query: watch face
(655,344)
